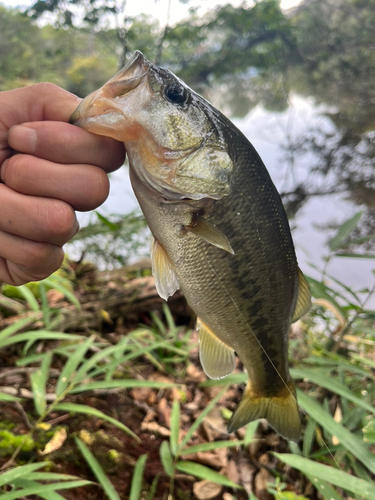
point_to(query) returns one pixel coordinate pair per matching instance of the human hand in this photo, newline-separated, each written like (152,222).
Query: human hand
(48,170)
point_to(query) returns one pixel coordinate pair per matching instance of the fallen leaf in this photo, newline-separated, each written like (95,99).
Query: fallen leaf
(54,296)
(203,490)
(164,412)
(56,442)
(141,393)
(155,428)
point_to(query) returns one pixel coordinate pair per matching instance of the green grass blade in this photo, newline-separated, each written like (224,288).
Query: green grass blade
(175,426)
(250,431)
(343,232)
(43,489)
(121,384)
(41,335)
(9,476)
(309,436)
(215,445)
(70,366)
(9,397)
(137,479)
(346,438)
(97,470)
(166,458)
(333,476)
(38,381)
(369,432)
(29,297)
(87,410)
(332,384)
(325,489)
(204,472)
(153,488)
(57,284)
(11,329)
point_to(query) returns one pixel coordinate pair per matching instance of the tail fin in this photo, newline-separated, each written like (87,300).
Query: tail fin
(281,411)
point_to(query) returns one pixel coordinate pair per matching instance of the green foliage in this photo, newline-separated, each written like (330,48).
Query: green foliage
(111,241)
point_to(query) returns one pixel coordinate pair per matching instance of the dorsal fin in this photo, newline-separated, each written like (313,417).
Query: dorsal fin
(304,298)
(209,232)
(218,359)
(166,279)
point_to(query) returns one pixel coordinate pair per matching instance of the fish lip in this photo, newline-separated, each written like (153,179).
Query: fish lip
(129,77)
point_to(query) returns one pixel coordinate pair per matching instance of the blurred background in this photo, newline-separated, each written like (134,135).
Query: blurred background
(295,77)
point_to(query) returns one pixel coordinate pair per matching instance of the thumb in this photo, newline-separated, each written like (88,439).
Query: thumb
(39,102)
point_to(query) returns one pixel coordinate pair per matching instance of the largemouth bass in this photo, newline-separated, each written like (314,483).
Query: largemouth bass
(220,231)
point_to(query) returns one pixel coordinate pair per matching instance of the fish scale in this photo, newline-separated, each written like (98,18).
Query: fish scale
(219,227)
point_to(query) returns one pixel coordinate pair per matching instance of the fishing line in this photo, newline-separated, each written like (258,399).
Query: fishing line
(272,363)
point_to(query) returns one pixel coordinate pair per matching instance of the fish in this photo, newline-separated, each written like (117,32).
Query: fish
(220,232)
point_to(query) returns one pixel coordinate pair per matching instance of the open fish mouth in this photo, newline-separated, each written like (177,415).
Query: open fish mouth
(102,102)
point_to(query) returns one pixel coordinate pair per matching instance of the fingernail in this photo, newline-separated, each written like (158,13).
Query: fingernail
(23,139)
(2,170)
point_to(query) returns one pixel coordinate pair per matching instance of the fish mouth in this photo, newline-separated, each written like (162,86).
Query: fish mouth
(100,111)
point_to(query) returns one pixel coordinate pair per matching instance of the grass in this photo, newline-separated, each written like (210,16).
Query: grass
(336,394)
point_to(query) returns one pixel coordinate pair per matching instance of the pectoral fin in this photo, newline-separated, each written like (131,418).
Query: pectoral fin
(217,359)
(166,279)
(209,232)
(304,298)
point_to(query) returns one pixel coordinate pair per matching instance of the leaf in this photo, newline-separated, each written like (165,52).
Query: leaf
(326,490)
(42,335)
(76,408)
(326,473)
(97,470)
(346,438)
(70,366)
(166,458)
(111,225)
(55,443)
(8,397)
(204,472)
(215,445)
(332,384)
(353,255)
(343,232)
(175,426)
(137,479)
(369,432)
(309,436)
(43,489)
(29,297)
(11,475)
(38,381)
(11,329)
(250,431)
(121,384)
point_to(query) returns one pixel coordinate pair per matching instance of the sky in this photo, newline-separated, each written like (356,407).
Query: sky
(159,8)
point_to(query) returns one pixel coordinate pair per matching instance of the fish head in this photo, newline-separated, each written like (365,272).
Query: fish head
(174,138)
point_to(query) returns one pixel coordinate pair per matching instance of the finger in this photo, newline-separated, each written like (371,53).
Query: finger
(84,187)
(65,143)
(25,260)
(43,101)
(39,219)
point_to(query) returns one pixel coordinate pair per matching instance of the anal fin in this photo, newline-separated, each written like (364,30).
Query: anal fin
(217,358)
(166,279)
(303,299)
(210,233)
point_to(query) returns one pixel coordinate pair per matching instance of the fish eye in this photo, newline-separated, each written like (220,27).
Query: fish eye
(176,94)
